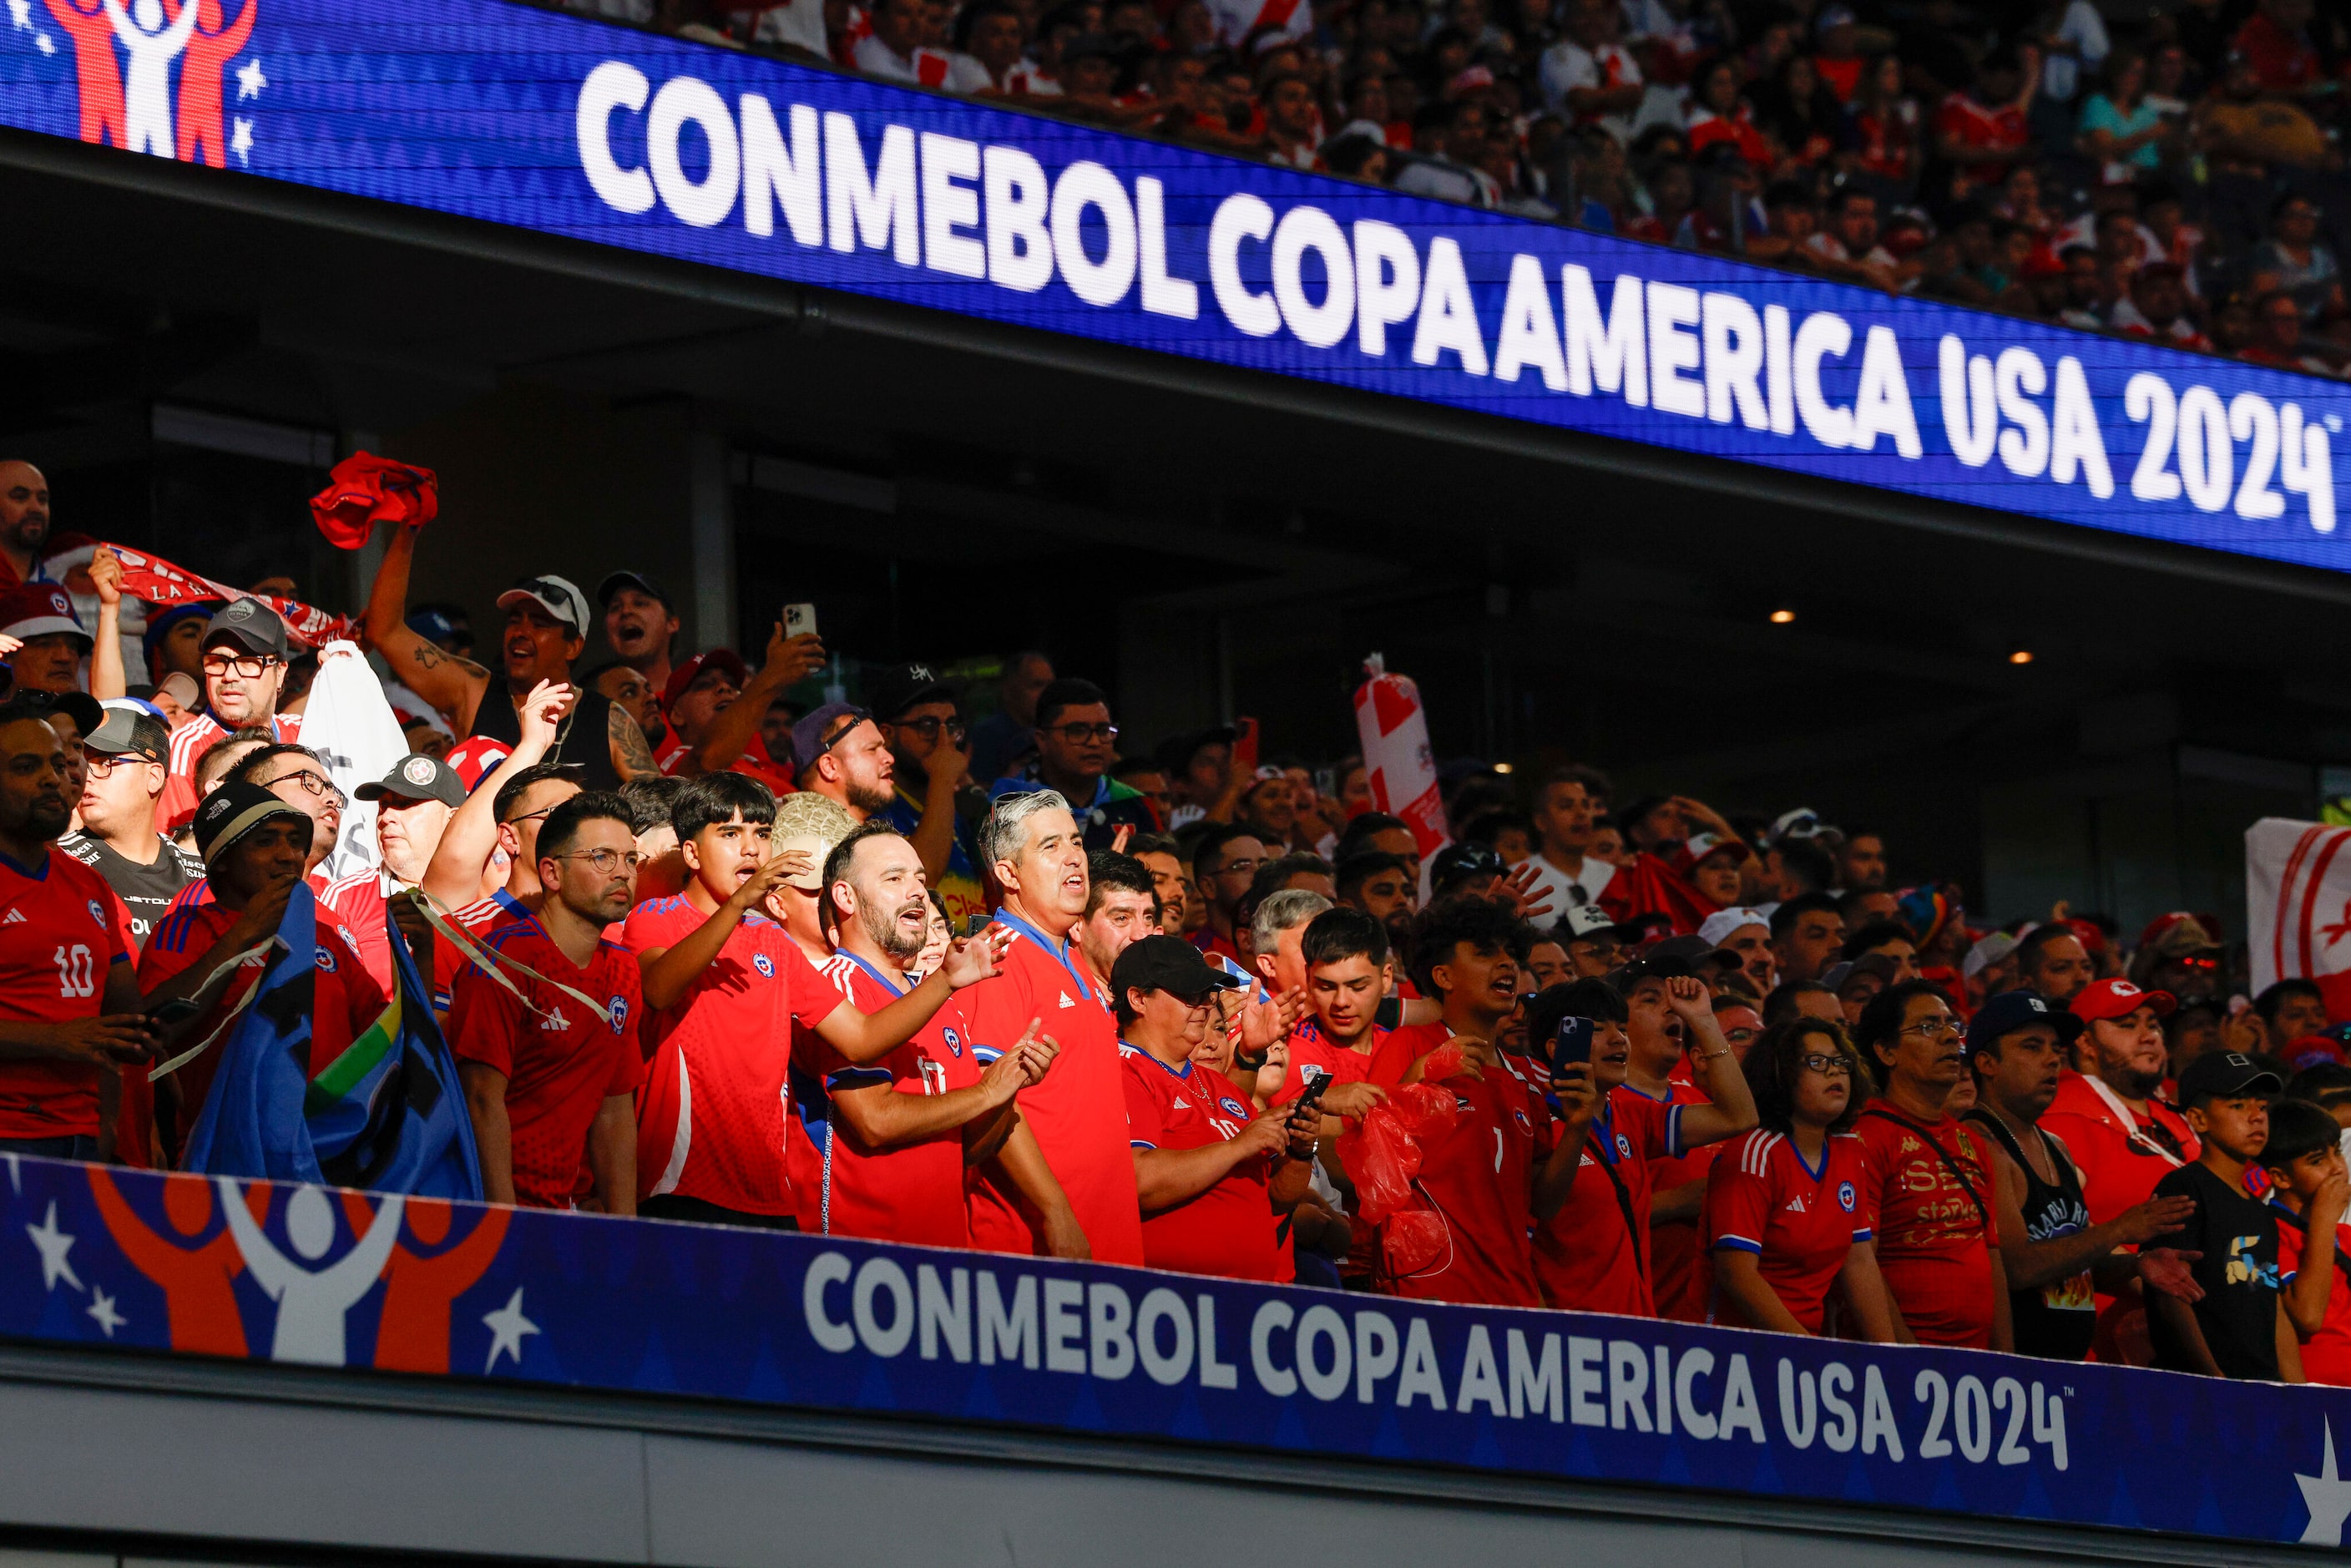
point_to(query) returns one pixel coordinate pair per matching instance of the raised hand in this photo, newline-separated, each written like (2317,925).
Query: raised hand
(542,712)
(106,575)
(971,959)
(1518,889)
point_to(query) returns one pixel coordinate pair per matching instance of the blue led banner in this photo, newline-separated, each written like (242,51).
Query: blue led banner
(122,1260)
(574,127)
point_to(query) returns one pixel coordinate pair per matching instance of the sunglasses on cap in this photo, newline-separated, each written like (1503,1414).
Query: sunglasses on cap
(850,721)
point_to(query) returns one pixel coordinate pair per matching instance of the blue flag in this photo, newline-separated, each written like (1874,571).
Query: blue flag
(386,1114)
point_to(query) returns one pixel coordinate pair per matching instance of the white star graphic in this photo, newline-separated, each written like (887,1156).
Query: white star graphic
(20,12)
(2328,1498)
(16,1172)
(46,44)
(507,1326)
(240,140)
(249,80)
(101,1307)
(54,1245)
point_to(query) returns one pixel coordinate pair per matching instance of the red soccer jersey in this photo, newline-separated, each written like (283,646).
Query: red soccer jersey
(1933,1228)
(1761,1198)
(1078,1114)
(62,931)
(189,744)
(1226,1230)
(1311,1055)
(913,1192)
(2121,1153)
(2002,130)
(561,1060)
(1588,1259)
(804,1130)
(1478,1176)
(1399,1048)
(348,1003)
(361,902)
(2325,1355)
(755,763)
(1681,1275)
(711,1111)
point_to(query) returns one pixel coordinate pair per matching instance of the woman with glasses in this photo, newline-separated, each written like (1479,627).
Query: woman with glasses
(1783,1217)
(1928,1193)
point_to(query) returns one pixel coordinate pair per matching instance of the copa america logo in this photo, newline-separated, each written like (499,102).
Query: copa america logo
(151,73)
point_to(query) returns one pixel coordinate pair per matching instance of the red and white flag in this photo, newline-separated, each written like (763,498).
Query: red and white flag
(2298,904)
(163,585)
(1395,736)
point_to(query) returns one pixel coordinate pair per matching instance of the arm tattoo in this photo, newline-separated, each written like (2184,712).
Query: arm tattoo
(631,757)
(431,655)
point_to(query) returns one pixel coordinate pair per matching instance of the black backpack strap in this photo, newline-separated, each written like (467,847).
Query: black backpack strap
(1942,1153)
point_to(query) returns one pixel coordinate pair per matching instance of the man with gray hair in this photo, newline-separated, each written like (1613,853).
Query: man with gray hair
(1032,848)
(1275,934)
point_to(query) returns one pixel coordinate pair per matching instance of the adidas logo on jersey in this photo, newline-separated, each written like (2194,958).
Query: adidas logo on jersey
(557,1021)
(15,917)
(1796,1204)
(1181,1105)
(1066,1001)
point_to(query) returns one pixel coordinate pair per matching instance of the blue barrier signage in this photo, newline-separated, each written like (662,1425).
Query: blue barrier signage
(569,126)
(101,1258)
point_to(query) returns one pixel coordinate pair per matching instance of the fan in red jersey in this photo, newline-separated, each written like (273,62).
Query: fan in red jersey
(484,870)
(413,803)
(255,846)
(549,1062)
(1033,847)
(895,1136)
(1929,1194)
(70,1009)
(1213,1175)
(245,654)
(1783,1220)
(723,986)
(1593,1255)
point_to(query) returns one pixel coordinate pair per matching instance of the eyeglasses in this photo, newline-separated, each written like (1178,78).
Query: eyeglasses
(103,763)
(247,668)
(928,728)
(313,784)
(1931,1029)
(1826,1066)
(855,717)
(1240,868)
(532,816)
(606,862)
(1079,734)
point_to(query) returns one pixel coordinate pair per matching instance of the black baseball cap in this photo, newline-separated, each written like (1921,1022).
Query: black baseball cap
(234,809)
(903,686)
(88,715)
(251,625)
(2013,1011)
(636,579)
(1167,964)
(2224,1074)
(1691,951)
(126,732)
(1650,965)
(416,777)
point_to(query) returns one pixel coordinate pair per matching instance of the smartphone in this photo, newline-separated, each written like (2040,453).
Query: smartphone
(175,1011)
(1244,744)
(1313,1093)
(1571,1045)
(800,620)
(1389,1014)
(1326,783)
(972,924)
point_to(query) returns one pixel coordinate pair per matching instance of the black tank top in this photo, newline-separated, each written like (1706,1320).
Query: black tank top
(585,740)
(2054,1322)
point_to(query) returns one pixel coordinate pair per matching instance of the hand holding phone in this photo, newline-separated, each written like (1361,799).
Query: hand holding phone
(799,621)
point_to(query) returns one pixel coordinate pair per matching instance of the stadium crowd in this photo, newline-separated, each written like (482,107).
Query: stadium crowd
(1022,985)
(2178,176)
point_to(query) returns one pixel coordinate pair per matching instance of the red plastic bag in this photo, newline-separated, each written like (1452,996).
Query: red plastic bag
(1447,1060)
(1420,1109)
(364,490)
(1412,1241)
(1381,1160)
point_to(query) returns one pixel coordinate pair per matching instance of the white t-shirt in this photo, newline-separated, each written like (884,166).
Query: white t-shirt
(798,22)
(929,67)
(2081,28)
(1568,65)
(1564,892)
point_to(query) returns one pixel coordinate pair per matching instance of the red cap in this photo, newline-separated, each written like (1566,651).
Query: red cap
(476,760)
(40,610)
(686,675)
(2119,998)
(2093,940)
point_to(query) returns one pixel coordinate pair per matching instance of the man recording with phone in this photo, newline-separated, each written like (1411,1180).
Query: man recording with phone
(1213,1175)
